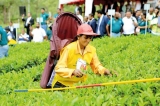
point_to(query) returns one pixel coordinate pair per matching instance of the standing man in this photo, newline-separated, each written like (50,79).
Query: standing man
(138,15)
(92,22)
(129,24)
(116,26)
(12,29)
(3,43)
(78,8)
(38,33)
(79,16)
(10,37)
(57,14)
(105,7)
(101,24)
(29,21)
(44,16)
(150,16)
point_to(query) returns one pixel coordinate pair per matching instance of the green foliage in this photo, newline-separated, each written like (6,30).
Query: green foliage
(24,56)
(135,57)
(35,8)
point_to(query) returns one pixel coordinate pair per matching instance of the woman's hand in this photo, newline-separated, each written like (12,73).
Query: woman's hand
(107,72)
(78,73)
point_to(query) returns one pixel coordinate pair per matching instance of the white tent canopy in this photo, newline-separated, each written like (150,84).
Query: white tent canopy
(68,1)
(88,4)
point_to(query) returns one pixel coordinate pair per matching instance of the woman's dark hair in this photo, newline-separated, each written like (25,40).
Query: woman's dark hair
(43,9)
(99,12)
(76,38)
(157,13)
(144,15)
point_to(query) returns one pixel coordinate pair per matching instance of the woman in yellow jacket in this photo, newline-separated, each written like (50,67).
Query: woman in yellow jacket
(66,73)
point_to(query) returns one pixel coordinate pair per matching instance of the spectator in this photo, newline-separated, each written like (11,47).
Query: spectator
(159,20)
(158,4)
(86,20)
(93,9)
(50,22)
(66,71)
(79,16)
(151,14)
(3,43)
(122,9)
(116,26)
(102,23)
(57,14)
(49,33)
(155,30)
(23,37)
(44,16)
(113,5)
(156,10)
(12,29)
(92,22)
(29,21)
(129,24)
(105,7)
(10,37)
(138,5)
(78,8)
(142,24)
(138,15)
(128,6)
(38,33)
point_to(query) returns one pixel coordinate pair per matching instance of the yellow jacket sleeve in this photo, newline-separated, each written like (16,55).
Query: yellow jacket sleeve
(96,65)
(61,67)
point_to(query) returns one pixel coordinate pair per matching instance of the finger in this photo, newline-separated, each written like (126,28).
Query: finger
(77,73)
(81,72)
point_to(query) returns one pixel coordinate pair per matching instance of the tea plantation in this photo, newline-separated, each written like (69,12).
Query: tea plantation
(133,58)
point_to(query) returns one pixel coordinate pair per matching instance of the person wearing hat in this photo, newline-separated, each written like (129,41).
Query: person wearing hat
(76,57)
(3,43)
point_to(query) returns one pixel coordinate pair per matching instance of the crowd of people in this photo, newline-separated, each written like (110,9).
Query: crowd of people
(129,19)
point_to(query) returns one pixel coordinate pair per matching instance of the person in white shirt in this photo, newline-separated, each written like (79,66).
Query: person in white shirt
(12,29)
(79,16)
(23,37)
(151,14)
(138,5)
(150,17)
(29,21)
(38,33)
(129,24)
(86,20)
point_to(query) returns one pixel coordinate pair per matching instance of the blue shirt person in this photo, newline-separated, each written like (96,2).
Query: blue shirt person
(57,14)
(92,22)
(3,43)
(44,16)
(116,26)
(101,23)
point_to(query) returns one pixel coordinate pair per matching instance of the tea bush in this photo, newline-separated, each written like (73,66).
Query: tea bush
(134,57)
(24,56)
